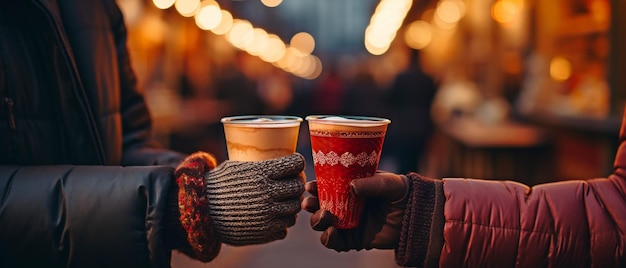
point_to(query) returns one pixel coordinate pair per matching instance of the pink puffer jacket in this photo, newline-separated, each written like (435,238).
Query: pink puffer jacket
(485,223)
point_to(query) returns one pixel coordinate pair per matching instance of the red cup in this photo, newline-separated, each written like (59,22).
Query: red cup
(344,149)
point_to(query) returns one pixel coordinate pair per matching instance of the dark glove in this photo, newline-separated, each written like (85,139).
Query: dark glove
(255,202)
(381,222)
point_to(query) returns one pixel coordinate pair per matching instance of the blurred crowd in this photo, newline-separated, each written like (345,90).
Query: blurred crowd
(193,81)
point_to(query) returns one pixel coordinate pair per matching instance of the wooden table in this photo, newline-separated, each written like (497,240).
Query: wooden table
(466,147)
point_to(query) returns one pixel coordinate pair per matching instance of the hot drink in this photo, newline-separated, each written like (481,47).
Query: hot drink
(255,138)
(344,149)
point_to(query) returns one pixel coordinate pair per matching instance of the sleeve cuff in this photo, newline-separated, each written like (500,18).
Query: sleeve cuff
(421,238)
(193,209)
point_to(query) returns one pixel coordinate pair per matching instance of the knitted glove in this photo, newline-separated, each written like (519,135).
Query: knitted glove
(238,203)
(380,225)
(254,202)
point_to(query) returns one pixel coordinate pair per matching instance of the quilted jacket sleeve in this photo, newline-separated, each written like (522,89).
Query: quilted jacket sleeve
(83,216)
(505,224)
(483,223)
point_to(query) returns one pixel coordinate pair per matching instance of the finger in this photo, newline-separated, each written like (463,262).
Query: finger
(321,220)
(245,239)
(331,239)
(311,187)
(278,235)
(286,188)
(311,204)
(280,224)
(285,208)
(389,186)
(300,177)
(289,221)
(283,167)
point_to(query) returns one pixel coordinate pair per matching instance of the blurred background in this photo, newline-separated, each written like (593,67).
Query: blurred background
(524,90)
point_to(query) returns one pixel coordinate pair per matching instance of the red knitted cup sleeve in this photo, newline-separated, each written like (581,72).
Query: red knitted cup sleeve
(193,205)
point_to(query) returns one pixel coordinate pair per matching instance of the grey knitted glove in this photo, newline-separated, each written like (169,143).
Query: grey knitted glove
(255,202)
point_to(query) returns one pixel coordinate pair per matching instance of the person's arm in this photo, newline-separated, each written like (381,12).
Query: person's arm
(505,224)
(85,216)
(561,224)
(481,223)
(112,216)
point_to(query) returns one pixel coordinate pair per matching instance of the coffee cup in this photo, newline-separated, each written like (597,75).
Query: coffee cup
(260,137)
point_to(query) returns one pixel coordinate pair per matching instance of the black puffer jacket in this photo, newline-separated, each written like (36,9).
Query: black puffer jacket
(70,118)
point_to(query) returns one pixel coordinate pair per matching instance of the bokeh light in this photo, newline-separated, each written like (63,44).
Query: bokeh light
(163,4)
(418,34)
(271,3)
(560,69)
(209,15)
(304,42)
(187,8)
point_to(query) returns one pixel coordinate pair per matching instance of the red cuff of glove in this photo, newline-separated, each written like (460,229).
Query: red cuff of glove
(193,206)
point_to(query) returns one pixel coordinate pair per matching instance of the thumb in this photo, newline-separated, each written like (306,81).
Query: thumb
(283,167)
(390,186)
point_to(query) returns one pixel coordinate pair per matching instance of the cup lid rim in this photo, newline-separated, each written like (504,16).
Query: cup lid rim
(363,120)
(247,119)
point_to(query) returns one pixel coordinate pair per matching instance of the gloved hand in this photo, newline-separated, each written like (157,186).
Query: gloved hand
(255,202)
(238,203)
(381,222)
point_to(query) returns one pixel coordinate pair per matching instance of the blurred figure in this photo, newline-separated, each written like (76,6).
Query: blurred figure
(409,100)
(363,95)
(235,87)
(275,91)
(328,94)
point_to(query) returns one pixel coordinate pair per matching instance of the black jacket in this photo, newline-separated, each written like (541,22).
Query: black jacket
(69,123)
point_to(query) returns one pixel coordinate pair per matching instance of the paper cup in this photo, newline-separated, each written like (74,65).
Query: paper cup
(344,149)
(260,137)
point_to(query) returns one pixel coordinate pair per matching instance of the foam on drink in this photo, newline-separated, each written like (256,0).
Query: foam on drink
(255,138)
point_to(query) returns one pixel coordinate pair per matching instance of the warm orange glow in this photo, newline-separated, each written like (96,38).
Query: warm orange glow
(296,58)
(560,69)
(600,10)
(163,4)
(316,69)
(384,24)
(304,42)
(240,34)
(310,67)
(187,8)
(302,66)
(418,34)
(271,3)
(275,49)
(295,61)
(153,29)
(260,41)
(225,23)
(505,11)
(449,11)
(289,60)
(376,49)
(209,15)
